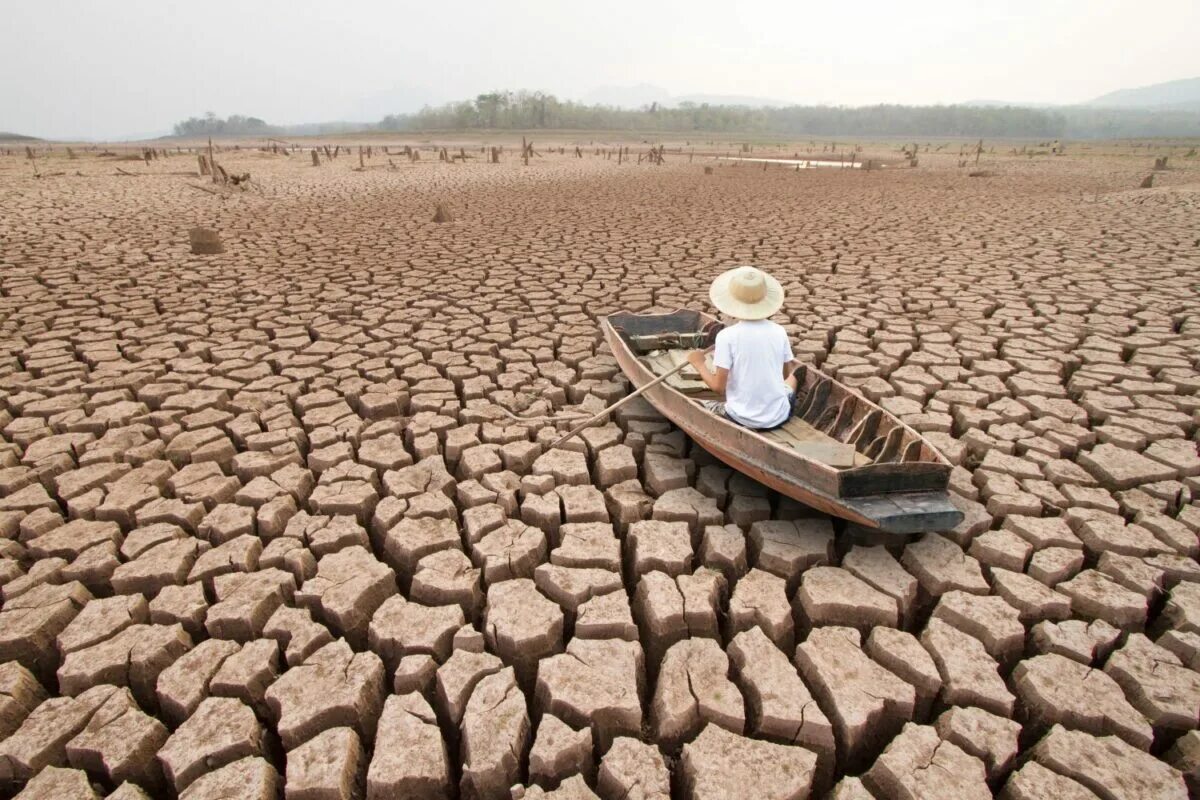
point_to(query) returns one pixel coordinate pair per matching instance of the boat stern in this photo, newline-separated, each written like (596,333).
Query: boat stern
(908,513)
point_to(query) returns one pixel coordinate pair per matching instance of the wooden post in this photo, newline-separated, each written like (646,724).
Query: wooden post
(212,165)
(524,151)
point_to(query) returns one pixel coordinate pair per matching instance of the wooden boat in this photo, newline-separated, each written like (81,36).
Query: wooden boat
(839,453)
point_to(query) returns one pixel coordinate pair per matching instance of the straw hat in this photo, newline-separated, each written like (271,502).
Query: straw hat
(746,293)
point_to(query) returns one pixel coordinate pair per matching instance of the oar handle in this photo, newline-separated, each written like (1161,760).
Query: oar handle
(601,414)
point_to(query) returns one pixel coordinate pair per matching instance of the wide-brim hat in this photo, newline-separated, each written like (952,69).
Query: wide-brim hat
(746,293)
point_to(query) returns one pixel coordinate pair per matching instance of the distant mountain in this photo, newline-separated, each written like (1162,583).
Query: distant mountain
(644,94)
(143,136)
(730,100)
(1181,95)
(1006,104)
(5,136)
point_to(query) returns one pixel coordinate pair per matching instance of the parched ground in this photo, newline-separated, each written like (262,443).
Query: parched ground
(265,530)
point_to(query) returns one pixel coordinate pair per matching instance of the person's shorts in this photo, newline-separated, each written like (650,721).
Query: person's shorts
(718,407)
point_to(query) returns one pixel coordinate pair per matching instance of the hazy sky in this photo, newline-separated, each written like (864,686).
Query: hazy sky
(96,69)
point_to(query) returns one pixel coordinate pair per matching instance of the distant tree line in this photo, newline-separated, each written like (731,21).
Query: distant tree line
(533,110)
(538,110)
(234,125)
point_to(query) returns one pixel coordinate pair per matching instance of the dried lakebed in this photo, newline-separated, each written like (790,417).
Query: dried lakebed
(265,531)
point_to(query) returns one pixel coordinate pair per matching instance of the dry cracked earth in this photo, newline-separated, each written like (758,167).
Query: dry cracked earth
(265,531)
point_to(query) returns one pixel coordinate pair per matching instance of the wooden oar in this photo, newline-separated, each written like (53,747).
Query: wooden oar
(600,415)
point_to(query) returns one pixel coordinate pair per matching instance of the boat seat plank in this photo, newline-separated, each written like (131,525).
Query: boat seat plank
(812,443)
(686,380)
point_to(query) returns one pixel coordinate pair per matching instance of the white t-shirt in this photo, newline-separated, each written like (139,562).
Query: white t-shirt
(754,352)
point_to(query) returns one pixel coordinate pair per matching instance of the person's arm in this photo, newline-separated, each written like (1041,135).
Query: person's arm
(790,363)
(713,380)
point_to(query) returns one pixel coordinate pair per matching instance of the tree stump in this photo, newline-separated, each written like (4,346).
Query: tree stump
(442,214)
(316,158)
(205,169)
(205,241)
(708,170)
(1148,181)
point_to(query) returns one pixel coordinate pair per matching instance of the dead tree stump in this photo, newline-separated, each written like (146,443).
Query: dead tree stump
(316,158)
(205,169)
(442,214)
(1148,181)
(205,241)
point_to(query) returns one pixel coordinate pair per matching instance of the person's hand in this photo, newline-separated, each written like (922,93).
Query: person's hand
(696,358)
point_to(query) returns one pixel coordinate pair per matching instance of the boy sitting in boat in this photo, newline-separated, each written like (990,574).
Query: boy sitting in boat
(753,357)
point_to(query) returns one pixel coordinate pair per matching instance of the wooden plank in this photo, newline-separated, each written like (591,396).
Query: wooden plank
(812,443)
(834,454)
(909,513)
(686,380)
(885,478)
(804,432)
